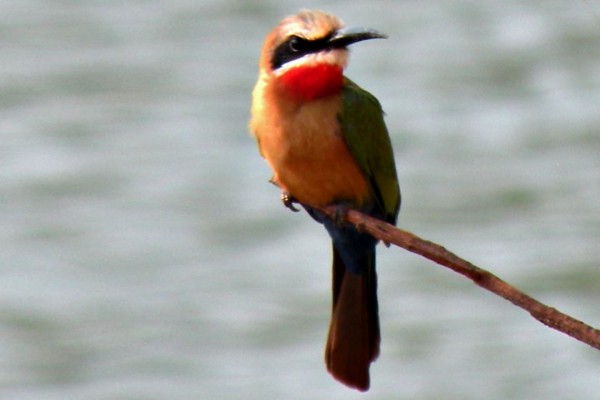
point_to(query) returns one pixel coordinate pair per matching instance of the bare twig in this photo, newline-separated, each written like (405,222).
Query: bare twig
(547,315)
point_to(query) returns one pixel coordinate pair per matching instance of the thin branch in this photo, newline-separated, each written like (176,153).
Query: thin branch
(547,315)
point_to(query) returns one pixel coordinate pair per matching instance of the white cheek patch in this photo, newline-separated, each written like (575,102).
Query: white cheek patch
(337,57)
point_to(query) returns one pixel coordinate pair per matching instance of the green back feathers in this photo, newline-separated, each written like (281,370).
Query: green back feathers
(367,138)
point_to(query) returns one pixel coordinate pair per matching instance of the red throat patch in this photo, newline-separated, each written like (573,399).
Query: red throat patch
(312,82)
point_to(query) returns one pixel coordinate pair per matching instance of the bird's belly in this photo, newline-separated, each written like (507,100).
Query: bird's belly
(304,146)
(321,171)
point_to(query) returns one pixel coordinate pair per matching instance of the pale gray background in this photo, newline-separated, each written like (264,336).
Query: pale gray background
(143,255)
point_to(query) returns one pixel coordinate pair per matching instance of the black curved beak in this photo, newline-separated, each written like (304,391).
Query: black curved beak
(347,36)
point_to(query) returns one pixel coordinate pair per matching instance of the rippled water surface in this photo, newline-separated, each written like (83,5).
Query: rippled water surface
(143,254)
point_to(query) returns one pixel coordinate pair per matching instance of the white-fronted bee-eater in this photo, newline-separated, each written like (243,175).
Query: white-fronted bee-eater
(326,142)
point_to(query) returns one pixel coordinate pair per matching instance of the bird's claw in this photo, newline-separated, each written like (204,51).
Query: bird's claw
(289,201)
(341,211)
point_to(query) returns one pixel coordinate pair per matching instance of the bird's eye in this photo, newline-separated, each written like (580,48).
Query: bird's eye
(296,44)
(292,48)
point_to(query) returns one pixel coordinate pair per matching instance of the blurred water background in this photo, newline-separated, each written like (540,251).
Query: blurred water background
(143,255)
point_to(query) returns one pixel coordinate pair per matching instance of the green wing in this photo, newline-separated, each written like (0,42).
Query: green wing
(367,138)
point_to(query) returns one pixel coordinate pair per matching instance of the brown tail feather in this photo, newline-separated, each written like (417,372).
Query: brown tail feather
(353,340)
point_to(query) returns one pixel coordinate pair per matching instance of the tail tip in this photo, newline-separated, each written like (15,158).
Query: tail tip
(351,379)
(350,374)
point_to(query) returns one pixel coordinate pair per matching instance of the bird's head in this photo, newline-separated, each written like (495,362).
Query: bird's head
(306,53)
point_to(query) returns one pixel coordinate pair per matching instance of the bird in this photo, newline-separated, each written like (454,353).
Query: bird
(326,142)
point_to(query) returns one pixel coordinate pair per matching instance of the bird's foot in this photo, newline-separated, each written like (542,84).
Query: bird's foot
(341,211)
(289,201)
